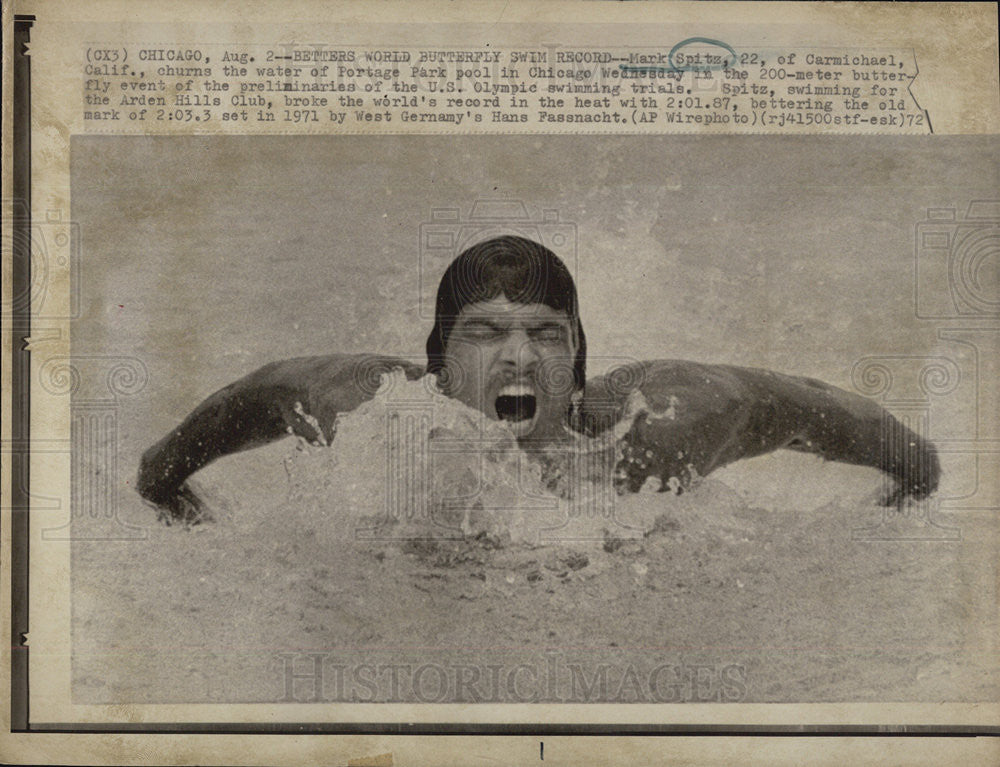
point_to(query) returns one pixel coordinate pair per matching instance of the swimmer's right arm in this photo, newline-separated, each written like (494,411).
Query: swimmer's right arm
(299,396)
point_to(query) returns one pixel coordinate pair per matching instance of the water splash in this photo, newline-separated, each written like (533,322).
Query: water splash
(413,463)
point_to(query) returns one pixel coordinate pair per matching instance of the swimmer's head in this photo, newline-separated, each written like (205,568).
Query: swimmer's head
(507,337)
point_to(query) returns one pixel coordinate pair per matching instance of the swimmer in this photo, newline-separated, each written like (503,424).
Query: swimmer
(508,341)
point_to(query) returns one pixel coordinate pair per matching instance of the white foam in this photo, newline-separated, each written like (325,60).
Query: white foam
(413,463)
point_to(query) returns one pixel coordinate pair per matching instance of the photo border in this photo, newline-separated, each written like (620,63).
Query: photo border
(20,453)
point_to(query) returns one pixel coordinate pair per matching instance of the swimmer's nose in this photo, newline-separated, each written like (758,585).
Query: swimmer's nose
(518,350)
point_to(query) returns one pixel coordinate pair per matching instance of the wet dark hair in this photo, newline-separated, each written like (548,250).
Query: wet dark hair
(524,272)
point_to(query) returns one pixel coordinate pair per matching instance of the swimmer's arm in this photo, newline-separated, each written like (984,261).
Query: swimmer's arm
(702,417)
(298,396)
(811,416)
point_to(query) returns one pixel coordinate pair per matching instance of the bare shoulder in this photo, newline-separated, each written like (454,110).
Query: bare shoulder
(664,385)
(676,420)
(302,395)
(339,383)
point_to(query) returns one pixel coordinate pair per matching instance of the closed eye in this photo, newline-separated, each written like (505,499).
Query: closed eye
(546,334)
(481,330)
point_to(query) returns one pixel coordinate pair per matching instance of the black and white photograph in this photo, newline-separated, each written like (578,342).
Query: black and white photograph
(522,419)
(446,382)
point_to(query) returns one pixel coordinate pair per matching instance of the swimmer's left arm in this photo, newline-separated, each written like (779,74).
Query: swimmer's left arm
(692,419)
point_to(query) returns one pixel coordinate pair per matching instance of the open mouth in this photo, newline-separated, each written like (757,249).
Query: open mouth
(517,405)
